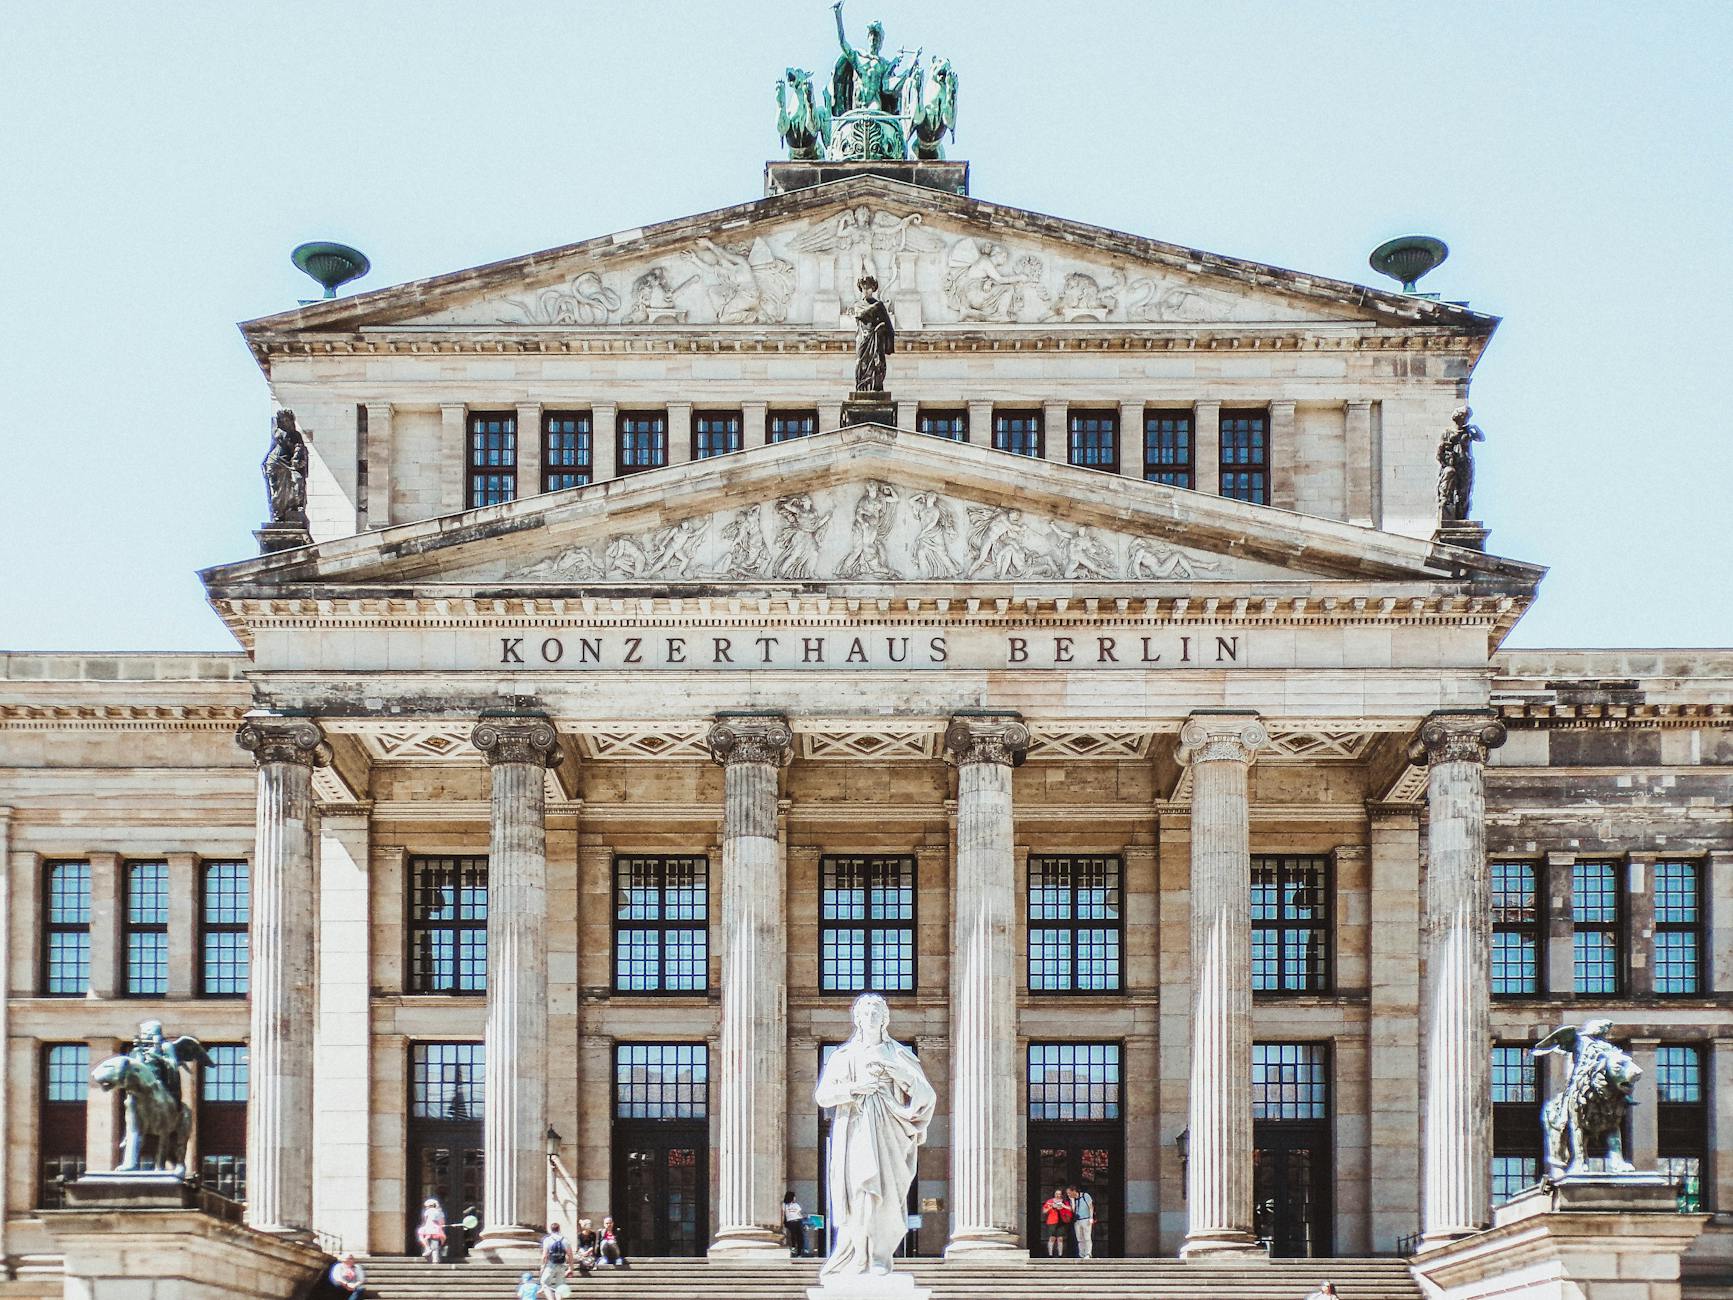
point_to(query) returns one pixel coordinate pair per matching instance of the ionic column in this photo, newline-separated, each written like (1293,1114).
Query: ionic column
(1220,747)
(280,942)
(752,1084)
(986,1172)
(1456,1146)
(519,751)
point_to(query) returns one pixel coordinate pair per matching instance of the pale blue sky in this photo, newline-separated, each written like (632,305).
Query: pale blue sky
(160,160)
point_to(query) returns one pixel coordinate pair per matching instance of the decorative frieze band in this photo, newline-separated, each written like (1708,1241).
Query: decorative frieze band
(284,740)
(1464,737)
(996,738)
(751,738)
(517,740)
(1217,738)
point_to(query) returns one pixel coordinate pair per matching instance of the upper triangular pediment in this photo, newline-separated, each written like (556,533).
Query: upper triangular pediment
(868,511)
(945,261)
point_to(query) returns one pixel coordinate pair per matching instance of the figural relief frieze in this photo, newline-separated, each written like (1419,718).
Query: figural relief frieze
(874,531)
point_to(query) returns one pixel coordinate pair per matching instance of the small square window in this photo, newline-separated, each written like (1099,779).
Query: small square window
(785,426)
(1018,432)
(950,425)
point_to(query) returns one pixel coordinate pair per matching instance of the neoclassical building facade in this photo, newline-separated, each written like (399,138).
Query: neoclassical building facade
(1122,714)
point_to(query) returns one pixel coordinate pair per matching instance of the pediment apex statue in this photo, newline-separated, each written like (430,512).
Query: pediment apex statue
(882,1104)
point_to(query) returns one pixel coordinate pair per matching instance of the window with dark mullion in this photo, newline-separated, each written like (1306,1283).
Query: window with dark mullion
(1018,432)
(1245,456)
(866,917)
(146,929)
(1678,927)
(661,1081)
(567,447)
(1597,914)
(1167,448)
(492,457)
(785,426)
(1516,1134)
(1516,930)
(1291,924)
(1073,1082)
(643,437)
(1290,1081)
(61,1119)
(950,425)
(1682,1120)
(225,909)
(66,927)
(448,925)
(715,433)
(223,1120)
(1075,923)
(661,924)
(1094,439)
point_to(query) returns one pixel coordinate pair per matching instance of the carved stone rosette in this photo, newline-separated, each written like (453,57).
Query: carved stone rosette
(1464,737)
(1228,738)
(751,740)
(517,740)
(1002,739)
(284,740)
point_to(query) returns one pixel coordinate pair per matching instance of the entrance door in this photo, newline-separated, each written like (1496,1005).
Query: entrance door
(1291,1172)
(662,1187)
(1090,1158)
(445,1144)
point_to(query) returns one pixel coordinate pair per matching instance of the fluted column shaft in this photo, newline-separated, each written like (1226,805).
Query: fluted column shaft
(986,1172)
(519,751)
(1220,749)
(1456,1149)
(281,955)
(752,1082)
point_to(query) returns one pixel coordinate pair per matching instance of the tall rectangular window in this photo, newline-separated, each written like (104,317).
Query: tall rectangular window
(1075,923)
(1245,456)
(1074,1081)
(225,911)
(643,439)
(785,426)
(715,433)
(1290,1081)
(146,929)
(1516,931)
(567,450)
(492,457)
(661,1081)
(1018,432)
(447,1081)
(61,1119)
(1682,1120)
(1094,439)
(448,925)
(66,927)
(1678,927)
(866,919)
(1598,919)
(1167,448)
(950,425)
(1516,1137)
(223,1120)
(1290,924)
(661,924)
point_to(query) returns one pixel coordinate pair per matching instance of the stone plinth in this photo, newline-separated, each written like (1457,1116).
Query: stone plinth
(952,177)
(127,1252)
(145,1189)
(866,406)
(1590,1237)
(281,537)
(1470,534)
(870,1286)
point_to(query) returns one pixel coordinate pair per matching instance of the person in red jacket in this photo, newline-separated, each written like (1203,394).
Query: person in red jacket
(1056,1216)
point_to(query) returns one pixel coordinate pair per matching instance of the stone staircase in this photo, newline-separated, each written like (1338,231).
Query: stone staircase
(396,1278)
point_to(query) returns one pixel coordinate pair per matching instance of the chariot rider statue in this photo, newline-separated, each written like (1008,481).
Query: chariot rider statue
(869,82)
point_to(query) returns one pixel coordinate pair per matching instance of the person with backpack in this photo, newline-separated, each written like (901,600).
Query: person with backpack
(556,1254)
(1083,1222)
(1057,1215)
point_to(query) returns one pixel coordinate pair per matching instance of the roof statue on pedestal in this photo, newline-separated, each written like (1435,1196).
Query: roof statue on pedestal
(148,1076)
(1456,466)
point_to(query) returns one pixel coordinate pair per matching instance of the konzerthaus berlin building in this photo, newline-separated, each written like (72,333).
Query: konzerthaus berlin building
(1123,714)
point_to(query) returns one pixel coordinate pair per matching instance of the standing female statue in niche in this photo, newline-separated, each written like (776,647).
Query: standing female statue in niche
(883,1105)
(875,337)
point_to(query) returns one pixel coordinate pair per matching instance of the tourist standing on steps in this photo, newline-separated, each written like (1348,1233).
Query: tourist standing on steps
(1083,1222)
(556,1255)
(1056,1215)
(611,1249)
(794,1225)
(431,1232)
(349,1277)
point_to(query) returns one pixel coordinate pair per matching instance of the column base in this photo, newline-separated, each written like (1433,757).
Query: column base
(748,1245)
(986,1246)
(1225,1246)
(509,1244)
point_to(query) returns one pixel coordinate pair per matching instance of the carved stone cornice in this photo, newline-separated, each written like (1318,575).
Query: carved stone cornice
(1463,737)
(1221,738)
(284,740)
(995,738)
(531,740)
(757,738)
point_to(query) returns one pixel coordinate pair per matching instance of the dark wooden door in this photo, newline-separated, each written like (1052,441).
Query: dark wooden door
(445,1162)
(1090,1157)
(662,1187)
(1291,1188)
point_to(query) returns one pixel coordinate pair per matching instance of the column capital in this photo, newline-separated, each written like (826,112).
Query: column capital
(1463,736)
(987,738)
(519,739)
(1221,737)
(284,740)
(750,738)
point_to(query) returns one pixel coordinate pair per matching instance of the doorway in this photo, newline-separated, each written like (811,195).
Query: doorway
(1292,1147)
(445,1142)
(661,1144)
(1076,1138)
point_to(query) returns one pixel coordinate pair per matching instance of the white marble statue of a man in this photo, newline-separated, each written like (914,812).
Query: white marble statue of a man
(883,1103)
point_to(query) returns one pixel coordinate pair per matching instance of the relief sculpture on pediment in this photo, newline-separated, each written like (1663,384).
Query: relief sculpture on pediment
(875,514)
(983,282)
(748,554)
(652,299)
(586,300)
(935,526)
(799,527)
(746,284)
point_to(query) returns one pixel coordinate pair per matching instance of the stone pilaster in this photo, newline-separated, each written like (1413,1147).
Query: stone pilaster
(454,444)
(280,1043)
(519,751)
(1456,1138)
(1219,748)
(986,1170)
(1206,447)
(752,1079)
(1056,432)
(343,1063)
(529,449)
